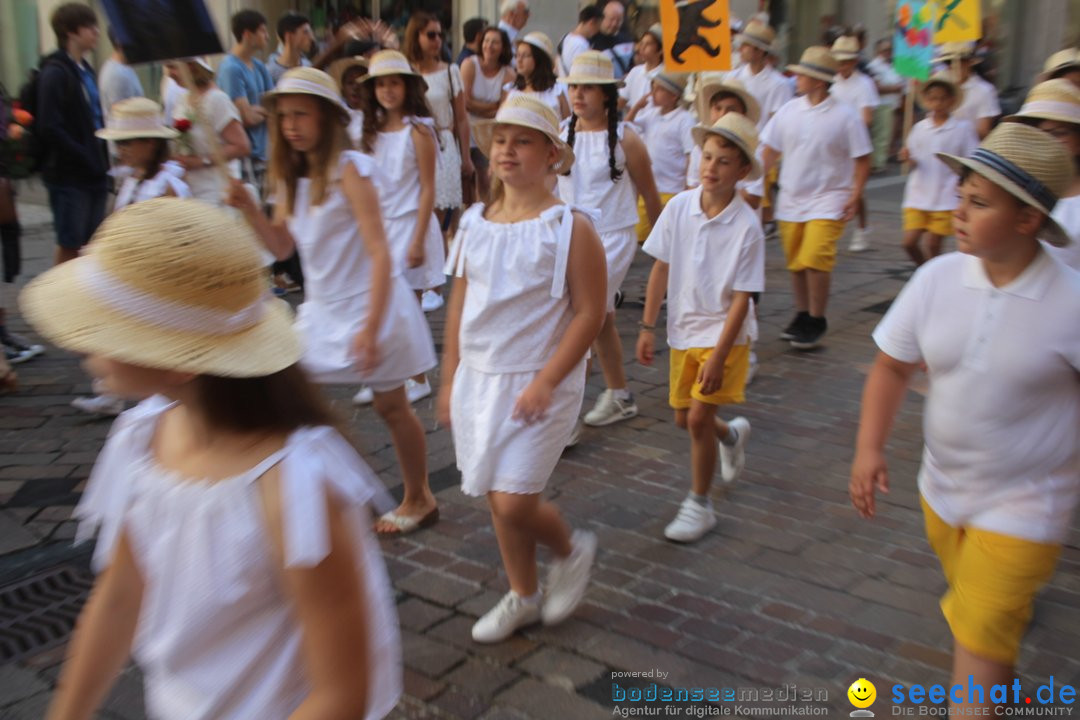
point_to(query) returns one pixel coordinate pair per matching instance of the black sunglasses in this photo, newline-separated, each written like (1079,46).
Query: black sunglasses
(432,34)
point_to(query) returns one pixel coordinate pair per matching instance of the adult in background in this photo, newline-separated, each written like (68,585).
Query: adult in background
(68,114)
(577,40)
(890,87)
(613,40)
(513,14)
(244,79)
(483,77)
(295,39)
(470,33)
(117,81)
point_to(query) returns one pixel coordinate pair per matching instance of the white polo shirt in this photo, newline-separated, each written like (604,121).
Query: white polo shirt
(819,144)
(931,186)
(638,83)
(1067,214)
(859,91)
(980,100)
(709,259)
(667,137)
(1002,420)
(769,87)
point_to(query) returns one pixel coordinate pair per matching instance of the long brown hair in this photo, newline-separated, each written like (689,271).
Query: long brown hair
(411,47)
(280,402)
(415,105)
(287,166)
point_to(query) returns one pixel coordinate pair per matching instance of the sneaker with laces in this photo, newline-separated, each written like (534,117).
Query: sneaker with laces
(794,326)
(609,409)
(99,405)
(860,240)
(431,301)
(500,622)
(692,522)
(809,335)
(415,391)
(20,348)
(568,578)
(14,357)
(364,396)
(733,458)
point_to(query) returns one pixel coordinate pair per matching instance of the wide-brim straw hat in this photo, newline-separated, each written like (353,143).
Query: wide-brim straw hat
(713,83)
(1027,163)
(950,51)
(137,117)
(530,112)
(846,47)
(737,129)
(309,81)
(817,62)
(657,31)
(758,34)
(946,79)
(391,62)
(672,81)
(339,67)
(1060,62)
(170,283)
(1056,99)
(591,67)
(543,43)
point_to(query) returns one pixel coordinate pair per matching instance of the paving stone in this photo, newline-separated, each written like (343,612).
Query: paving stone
(546,700)
(482,678)
(429,656)
(18,684)
(561,668)
(438,588)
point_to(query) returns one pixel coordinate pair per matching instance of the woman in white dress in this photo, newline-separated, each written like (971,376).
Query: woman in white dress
(484,76)
(359,322)
(536,73)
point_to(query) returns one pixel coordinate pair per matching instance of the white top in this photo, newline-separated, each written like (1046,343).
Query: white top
(572,46)
(356,127)
(589,184)
(207,183)
(931,186)
(980,100)
(171,92)
(336,264)
(638,83)
(116,82)
(549,97)
(1002,420)
(442,87)
(769,88)
(885,74)
(511,31)
(216,637)
(819,144)
(858,91)
(667,136)
(709,259)
(1067,215)
(485,89)
(134,190)
(517,307)
(399,171)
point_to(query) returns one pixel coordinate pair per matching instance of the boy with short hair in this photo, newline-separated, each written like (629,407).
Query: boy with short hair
(710,258)
(295,39)
(826,149)
(995,326)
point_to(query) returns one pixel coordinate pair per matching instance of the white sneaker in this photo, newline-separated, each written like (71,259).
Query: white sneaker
(99,404)
(417,391)
(568,578)
(860,240)
(431,301)
(575,435)
(364,396)
(751,373)
(609,409)
(733,459)
(501,621)
(692,522)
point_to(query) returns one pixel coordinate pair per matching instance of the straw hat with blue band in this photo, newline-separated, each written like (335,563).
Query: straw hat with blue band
(1027,163)
(817,61)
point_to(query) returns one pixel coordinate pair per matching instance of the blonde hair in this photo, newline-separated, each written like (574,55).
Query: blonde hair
(287,166)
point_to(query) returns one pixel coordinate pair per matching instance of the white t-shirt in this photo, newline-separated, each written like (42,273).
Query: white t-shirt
(858,91)
(819,144)
(931,186)
(572,46)
(709,259)
(638,84)
(667,137)
(980,100)
(884,74)
(769,88)
(1067,215)
(1002,420)
(207,183)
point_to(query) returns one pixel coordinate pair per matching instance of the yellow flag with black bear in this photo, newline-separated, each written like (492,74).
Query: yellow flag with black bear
(697,35)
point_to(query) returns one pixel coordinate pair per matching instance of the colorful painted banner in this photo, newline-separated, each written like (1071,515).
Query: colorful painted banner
(913,47)
(697,35)
(958,21)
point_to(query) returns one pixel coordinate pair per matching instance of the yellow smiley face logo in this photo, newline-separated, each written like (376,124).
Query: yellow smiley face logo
(862,693)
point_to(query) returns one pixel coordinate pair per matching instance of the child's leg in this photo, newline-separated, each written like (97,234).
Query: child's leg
(704,428)
(800,289)
(817,291)
(970,668)
(422,377)
(933,245)
(411,448)
(609,351)
(861,211)
(521,522)
(911,246)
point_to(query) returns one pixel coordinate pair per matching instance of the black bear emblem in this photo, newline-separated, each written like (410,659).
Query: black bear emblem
(691,23)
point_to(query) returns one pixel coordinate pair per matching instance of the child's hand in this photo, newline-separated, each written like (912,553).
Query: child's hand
(533,402)
(867,470)
(365,351)
(415,256)
(711,374)
(238,197)
(646,347)
(850,208)
(442,404)
(903,156)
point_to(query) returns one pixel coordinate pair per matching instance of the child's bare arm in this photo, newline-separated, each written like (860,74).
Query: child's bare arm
(711,374)
(274,234)
(102,641)
(654,297)
(424,141)
(451,345)
(639,166)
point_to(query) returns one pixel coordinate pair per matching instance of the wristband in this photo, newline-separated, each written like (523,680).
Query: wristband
(644,326)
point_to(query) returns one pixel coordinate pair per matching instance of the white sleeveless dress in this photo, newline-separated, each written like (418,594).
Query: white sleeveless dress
(589,185)
(516,311)
(337,275)
(217,639)
(399,198)
(133,190)
(442,87)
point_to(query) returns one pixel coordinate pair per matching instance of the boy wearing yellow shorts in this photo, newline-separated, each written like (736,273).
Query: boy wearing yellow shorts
(710,258)
(995,325)
(826,149)
(930,192)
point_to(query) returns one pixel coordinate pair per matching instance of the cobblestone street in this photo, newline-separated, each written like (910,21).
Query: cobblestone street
(791,588)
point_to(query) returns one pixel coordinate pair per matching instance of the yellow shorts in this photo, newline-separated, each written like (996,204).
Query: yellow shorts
(992,580)
(684,371)
(770,182)
(644,227)
(938,222)
(810,245)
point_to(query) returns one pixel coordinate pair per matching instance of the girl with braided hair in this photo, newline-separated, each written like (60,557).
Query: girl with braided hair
(612,169)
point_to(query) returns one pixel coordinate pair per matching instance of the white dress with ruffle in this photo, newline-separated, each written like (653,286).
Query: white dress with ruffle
(133,190)
(217,638)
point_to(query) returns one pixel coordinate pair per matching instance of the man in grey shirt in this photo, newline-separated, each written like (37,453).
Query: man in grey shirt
(294,42)
(116,81)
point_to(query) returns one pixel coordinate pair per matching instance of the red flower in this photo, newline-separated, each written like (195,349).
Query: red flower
(182,124)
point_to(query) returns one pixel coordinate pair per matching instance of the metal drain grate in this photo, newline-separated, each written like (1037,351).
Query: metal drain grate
(39,613)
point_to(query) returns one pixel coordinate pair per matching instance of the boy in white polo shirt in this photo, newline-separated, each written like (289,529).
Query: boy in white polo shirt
(826,150)
(930,192)
(710,258)
(980,105)
(995,325)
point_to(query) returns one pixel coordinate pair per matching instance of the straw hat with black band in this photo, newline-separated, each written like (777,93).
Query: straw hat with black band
(759,35)
(308,81)
(846,47)
(530,112)
(738,130)
(1057,100)
(946,80)
(671,81)
(950,51)
(1027,163)
(816,62)
(715,83)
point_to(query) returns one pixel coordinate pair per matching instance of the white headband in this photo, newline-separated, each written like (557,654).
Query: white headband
(1042,107)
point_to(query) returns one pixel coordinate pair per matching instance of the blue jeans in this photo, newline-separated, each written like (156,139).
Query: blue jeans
(76,213)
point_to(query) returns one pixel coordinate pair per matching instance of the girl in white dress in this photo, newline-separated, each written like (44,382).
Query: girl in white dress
(359,322)
(527,301)
(235,555)
(536,73)
(611,171)
(400,134)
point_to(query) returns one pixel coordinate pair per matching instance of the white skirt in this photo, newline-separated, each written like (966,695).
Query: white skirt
(448,172)
(399,232)
(619,249)
(498,454)
(327,329)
